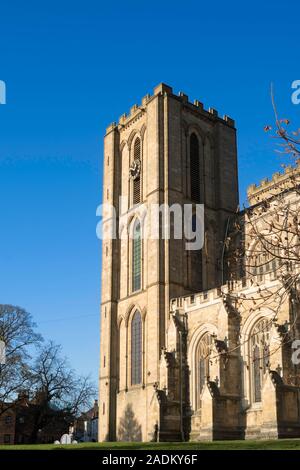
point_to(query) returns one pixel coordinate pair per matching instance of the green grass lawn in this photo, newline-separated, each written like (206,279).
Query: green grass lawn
(284,444)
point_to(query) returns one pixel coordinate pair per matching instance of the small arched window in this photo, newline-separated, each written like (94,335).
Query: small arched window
(136,190)
(136,349)
(202,364)
(195,168)
(136,257)
(264,260)
(259,355)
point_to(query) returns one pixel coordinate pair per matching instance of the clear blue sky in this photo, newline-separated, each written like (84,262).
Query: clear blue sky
(73,67)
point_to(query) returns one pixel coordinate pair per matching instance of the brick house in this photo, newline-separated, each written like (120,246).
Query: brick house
(18,421)
(7,425)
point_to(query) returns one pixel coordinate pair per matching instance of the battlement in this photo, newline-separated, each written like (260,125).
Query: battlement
(239,287)
(194,300)
(279,182)
(191,301)
(163,89)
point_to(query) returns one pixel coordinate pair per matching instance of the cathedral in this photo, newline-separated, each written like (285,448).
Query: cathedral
(193,345)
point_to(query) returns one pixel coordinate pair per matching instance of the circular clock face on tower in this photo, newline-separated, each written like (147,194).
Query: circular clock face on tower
(135,169)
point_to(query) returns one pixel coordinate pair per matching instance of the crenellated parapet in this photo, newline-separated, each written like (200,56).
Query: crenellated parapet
(137,110)
(279,182)
(187,302)
(194,301)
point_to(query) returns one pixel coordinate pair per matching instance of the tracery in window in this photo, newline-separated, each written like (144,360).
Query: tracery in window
(136,257)
(136,349)
(202,364)
(259,355)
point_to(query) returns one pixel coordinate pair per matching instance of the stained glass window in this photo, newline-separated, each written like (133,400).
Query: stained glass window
(260,354)
(202,367)
(202,364)
(136,349)
(256,374)
(136,257)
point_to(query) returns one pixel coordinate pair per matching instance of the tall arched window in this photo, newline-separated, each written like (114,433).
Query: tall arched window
(136,349)
(202,364)
(259,355)
(195,168)
(136,257)
(136,190)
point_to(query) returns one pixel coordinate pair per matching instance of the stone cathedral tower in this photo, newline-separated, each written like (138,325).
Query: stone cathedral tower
(166,151)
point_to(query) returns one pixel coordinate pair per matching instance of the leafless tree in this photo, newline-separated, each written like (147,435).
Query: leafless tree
(288,140)
(272,225)
(57,387)
(264,241)
(51,383)
(17,332)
